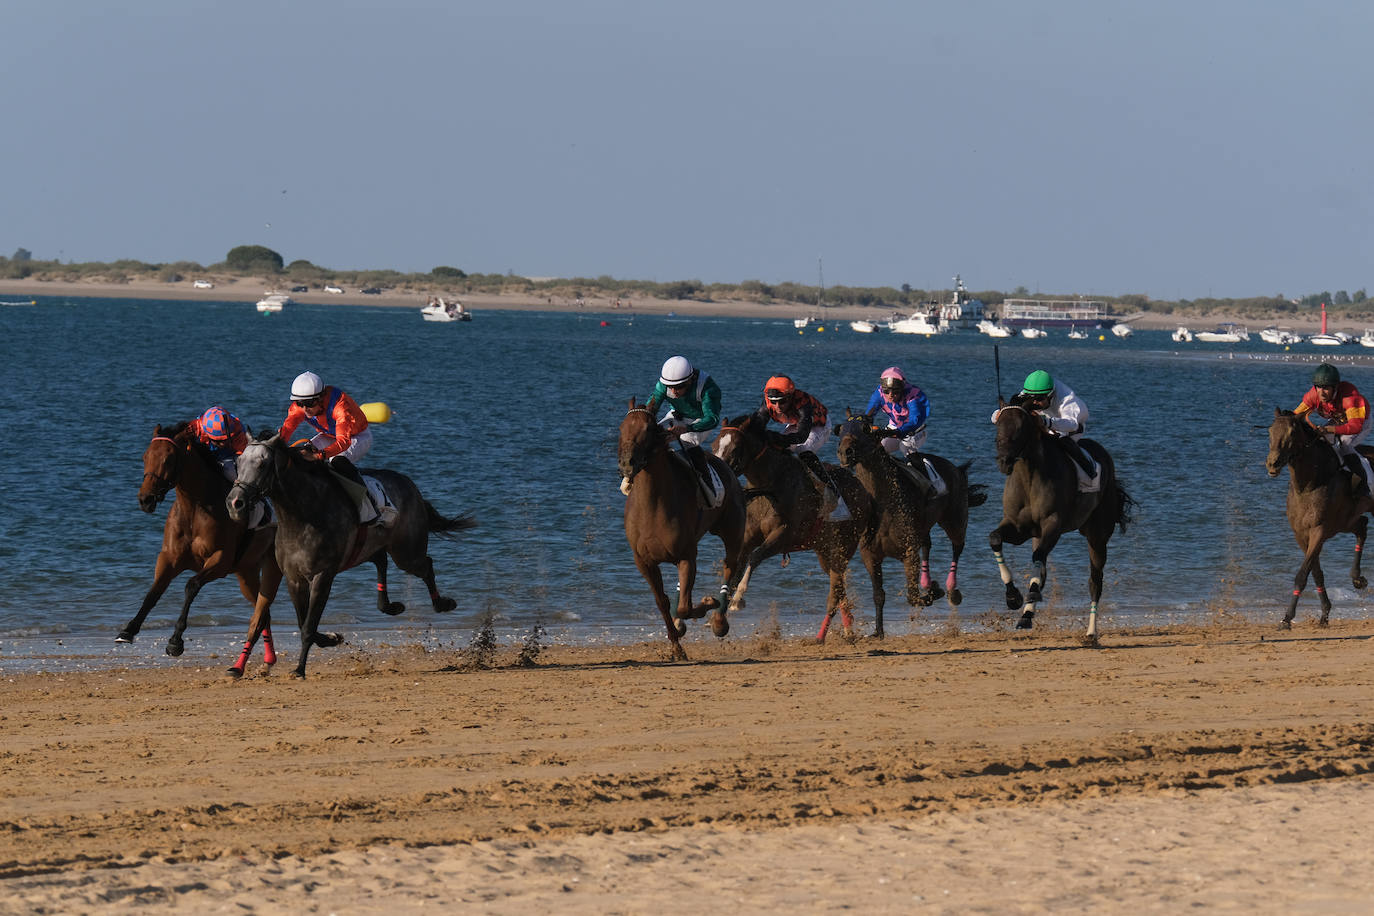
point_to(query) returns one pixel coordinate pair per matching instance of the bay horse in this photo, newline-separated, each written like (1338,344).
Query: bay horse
(1321,502)
(319,536)
(1041,501)
(199,536)
(665,522)
(907,512)
(784,513)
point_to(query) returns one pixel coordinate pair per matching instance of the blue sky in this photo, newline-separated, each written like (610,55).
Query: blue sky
(1179,150)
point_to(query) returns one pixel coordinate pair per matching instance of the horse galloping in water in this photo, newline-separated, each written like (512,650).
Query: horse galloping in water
(665,521)
(1322,502)
(319,536)
(785,513)
(199,535)
(907,510)
(1041,501)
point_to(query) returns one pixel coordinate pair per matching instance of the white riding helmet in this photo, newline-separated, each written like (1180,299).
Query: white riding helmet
(676,371)
(306,386)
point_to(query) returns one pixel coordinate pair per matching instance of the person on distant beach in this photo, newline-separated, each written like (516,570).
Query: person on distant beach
(693,401)
(907,408)
(224,434)
(1345,411)
(803,419)
(341,437)
(1063,414)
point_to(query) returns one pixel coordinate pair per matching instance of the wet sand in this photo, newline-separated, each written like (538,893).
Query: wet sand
(1221,767)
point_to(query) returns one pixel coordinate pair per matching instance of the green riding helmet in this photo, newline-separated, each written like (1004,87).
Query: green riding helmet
(1326,376)
(1039,382)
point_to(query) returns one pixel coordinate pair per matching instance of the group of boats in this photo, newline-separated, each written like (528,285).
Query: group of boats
(1229,332)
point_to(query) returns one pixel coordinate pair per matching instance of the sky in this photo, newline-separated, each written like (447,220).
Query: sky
(1180,150)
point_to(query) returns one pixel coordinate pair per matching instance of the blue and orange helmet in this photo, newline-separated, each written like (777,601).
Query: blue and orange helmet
(214,423)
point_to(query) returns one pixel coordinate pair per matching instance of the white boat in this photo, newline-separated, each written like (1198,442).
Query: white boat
(1367,338)
(800,323)
(1325,340)
(1280,336)
(1034,333)
(1122,330)
(440,309)
(1077,334)
(993,329)
(862,327)
(962,312)
(1225,333)
(272,302)
(916,323)
(1182,335)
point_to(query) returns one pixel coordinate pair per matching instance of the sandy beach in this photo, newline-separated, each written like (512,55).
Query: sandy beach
(1223,767)
(252,289)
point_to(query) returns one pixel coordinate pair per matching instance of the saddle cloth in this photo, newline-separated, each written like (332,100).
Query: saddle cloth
(1088,484)
(717,495)
(386,509)
(933,477)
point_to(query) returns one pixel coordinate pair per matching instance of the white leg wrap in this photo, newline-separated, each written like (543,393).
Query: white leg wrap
(1002,568)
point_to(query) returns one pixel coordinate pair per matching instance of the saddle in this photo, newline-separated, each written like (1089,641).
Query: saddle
(1089,476)
(710,490)
(930,480)
(374,506)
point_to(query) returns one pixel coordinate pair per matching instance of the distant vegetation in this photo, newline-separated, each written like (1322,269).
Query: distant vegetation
(246,261)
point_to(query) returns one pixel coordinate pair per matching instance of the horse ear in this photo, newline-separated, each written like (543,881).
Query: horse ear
(1277,413)
(632,402)
(157,429)
(848,414)
(1002,402)
(835,430)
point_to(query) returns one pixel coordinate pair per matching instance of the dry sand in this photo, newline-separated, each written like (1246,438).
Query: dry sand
(1222,768)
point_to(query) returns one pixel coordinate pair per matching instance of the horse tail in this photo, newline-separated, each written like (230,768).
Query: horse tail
(444,526)
(977,492)
(1125,508)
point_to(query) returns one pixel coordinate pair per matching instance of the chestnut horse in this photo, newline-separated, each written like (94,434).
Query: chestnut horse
(318,534)
(784,513)
(199,535)
(1321,502)
(665,521)
(1041,501)
(907,512)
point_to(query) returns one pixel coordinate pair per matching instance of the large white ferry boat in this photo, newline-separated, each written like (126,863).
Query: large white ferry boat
(1040,313)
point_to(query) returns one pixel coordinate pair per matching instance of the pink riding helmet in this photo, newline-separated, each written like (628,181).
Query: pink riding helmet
(892,372)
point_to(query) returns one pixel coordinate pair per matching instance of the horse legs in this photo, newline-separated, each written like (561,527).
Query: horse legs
(1097,560)
(1310,565)
(310,597)
(1007,532)
(873,562)
(261,624)
(1040,554)
(1357,579)
(770,546)
(164,572)
(676,628)
(384,603)
(929,591)
(216,567)
(835,568)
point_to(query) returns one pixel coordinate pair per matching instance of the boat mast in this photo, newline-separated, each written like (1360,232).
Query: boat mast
(820,289)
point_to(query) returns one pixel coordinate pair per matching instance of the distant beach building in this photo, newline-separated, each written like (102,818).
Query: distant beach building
(1055,313)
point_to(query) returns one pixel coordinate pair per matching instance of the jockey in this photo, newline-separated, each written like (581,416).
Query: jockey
(693,403)
(804,431)
(224,435)
(906,408)
(341,434)
(1345,411)
(1063,414)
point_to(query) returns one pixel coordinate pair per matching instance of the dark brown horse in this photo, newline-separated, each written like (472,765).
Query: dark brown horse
(784,513)
(1041,501)
(318,534)
(665,521)
(907,510)
(1321,502)
(200,536)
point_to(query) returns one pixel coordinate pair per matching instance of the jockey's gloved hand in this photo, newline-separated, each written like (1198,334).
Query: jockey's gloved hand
(1048,421)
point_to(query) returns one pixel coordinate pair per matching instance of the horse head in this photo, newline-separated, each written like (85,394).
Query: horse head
(162,461)
(1289,437)
(640,438)
(1018,436)
(741,442)
(259,467)
(859,438)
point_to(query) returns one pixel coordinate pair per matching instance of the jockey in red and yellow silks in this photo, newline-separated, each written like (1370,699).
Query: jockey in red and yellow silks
(1346,413)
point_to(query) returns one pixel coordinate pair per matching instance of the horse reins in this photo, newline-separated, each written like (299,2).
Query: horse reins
(766,446)
(166,482)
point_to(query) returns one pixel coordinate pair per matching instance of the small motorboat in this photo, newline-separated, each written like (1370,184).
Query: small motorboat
(1325,340)
(272,302)
(440,309)
(1077,334)
(993,329)
(1367,338)
(1182,334)
(1034,333)
(916,323)
(1280,336)
(861,326)
(1122,330)
(1225,333)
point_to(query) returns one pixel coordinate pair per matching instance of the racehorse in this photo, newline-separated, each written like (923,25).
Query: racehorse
(664,522)
(784,513)
(907,511)
(1041,501)
(199,535)
(1321,502)
(319,536)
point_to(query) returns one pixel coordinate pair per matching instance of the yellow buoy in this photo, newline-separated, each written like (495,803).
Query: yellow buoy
(1101,337)
(376,411)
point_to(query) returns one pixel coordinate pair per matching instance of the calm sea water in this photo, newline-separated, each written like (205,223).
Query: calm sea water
(513,417)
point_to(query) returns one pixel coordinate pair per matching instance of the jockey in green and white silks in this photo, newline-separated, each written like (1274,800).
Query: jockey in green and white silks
(693,400)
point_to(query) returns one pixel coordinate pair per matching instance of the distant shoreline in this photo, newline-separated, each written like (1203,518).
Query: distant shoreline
(251,289)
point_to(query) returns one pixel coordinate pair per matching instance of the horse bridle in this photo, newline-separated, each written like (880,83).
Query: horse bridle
(166,483)
(640,408)
(746,465)
(253,493)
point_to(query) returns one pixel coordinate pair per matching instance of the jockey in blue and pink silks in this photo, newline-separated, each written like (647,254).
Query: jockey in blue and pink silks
(906,408)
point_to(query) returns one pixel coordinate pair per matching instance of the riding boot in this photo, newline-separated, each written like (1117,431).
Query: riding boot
(344,468)
(1076,452)
(832,507)
(697,456)
(1359,487)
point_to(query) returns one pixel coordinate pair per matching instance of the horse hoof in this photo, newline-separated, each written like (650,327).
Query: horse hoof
(1323,622)
(956,597)
(392,608)
(236,673)
(681,632)
(1014,599)
(719,625)
(444,605)
(1285,624)
(1360,582)
(175,649)
(124,636)
(1025,622)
